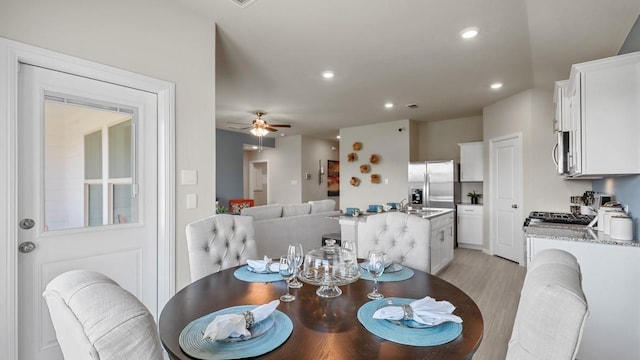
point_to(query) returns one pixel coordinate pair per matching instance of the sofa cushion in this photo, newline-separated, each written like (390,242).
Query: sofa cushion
(263,212)
(296,209)
(320,206)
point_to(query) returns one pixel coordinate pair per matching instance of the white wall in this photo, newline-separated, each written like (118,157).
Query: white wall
(393,147)
(160,39)
(314,150)
(531,113)
(439,139)
(284,171)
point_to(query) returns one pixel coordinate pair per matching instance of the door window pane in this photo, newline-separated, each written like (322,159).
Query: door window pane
(94,208)
(122,204)
(93,155)
(89,164)
(120,150)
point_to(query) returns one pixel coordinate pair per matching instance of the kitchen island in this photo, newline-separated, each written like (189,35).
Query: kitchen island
(610,271)
(441,234)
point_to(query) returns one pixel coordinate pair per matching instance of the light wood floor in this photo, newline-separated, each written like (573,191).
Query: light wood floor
(494,284)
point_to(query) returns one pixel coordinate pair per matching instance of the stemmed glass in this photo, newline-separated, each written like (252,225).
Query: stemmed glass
(295,254)
(375,266)
(287,271)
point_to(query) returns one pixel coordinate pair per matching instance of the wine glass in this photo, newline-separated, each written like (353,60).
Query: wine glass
(295,254)
(287,271)
(375,266)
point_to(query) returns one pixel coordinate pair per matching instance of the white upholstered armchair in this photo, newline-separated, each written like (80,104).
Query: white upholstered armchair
(220,242)
(96,319)
(404,238)
(552,309)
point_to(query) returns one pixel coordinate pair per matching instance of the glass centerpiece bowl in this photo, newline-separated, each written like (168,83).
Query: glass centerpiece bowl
(329,267)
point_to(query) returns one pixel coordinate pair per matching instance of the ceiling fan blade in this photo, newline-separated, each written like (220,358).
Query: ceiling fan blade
(239,127)
(270,128)
(280,125)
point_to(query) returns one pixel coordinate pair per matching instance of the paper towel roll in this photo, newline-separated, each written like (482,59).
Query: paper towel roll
(621,228)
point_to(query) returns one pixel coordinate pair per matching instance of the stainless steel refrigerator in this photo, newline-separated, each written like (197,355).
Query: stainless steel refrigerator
(434,184)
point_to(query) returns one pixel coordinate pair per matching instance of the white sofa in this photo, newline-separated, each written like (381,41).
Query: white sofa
(277,226)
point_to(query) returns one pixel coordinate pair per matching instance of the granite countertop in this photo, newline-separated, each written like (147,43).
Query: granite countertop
(426,213)
(574,233)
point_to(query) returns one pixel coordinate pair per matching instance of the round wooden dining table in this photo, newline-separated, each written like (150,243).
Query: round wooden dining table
(323,328)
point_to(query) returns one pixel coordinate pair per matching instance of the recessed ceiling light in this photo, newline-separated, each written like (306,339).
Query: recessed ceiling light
(469,33)
(338,137)
(388,105)
(496,86)
(328,74)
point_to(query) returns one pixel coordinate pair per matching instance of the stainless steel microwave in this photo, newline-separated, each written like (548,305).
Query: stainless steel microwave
(561,153)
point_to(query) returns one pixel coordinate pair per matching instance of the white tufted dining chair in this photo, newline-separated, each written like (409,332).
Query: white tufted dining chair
(96,319)
(220,242)
(404,238)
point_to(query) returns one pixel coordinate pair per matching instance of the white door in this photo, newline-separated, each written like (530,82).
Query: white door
(506,194)
(87,194)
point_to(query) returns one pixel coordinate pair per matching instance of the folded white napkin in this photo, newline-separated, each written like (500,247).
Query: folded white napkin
(262,266)
(425,311)
(235,325)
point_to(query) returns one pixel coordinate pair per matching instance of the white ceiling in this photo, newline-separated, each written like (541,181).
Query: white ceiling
(270,55)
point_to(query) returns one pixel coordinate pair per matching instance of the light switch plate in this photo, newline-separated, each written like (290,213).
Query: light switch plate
(192,201)
(189,177)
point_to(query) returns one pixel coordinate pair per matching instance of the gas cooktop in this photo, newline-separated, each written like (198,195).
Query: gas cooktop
(561,218)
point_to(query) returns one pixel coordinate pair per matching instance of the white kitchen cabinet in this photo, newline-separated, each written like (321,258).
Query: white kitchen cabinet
(471,161)
(611,286)
(470,226)
(602,102)
(441,241)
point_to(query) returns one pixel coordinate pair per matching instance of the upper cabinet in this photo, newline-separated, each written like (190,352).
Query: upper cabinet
(471,161)
(599,106)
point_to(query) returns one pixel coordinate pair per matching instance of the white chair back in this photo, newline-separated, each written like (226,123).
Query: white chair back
(220,242)
(96,319)
(404,238)
(552,309)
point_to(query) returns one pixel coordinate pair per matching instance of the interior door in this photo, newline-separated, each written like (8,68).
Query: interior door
(87,195)
(506,195)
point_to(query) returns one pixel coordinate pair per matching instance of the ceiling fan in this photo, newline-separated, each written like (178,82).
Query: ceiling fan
(260,127)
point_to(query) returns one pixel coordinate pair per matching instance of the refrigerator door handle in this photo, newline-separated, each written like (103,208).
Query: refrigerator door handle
(427,198)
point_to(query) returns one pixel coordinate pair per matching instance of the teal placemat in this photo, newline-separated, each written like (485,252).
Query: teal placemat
(401,275)
(192,343)
(242,273)
(431,336)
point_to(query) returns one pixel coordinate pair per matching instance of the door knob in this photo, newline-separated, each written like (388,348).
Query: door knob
(515,206)
(26,247)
